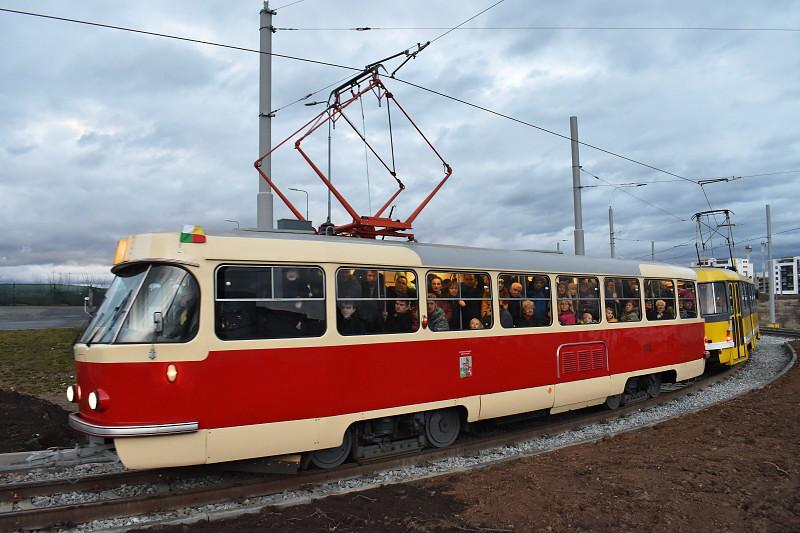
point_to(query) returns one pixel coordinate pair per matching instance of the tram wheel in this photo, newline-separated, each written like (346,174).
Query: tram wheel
(613,402)
(654,386)
(333,457)
(442,427)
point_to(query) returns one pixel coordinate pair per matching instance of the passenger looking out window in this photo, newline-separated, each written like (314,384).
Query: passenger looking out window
(464,296)
(687,299)
(610,315)
(583,296)
(436,319)
(367,303)
(659,299)
(528,300)
(622,296)
(566,315)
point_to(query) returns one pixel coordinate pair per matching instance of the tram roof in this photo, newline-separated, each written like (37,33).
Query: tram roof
(374,252)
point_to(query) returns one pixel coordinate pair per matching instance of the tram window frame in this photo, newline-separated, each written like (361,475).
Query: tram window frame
(376,325)
(743,300)
(683,299)
(577,280)
(526,280)
(485,314)
(715,286)
(254,324)
(653,293)
(625,294)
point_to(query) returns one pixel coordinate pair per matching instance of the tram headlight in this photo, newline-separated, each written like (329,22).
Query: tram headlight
(98,400)
(94,400)
(72,393)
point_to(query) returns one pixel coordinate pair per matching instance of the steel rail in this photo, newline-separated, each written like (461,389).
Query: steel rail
(48,517)
(781,332)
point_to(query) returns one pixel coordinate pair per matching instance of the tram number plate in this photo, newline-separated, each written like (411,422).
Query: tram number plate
(465,365)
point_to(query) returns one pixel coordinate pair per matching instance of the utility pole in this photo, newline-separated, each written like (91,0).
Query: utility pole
(264,201)
(652,250)
(770,268)
(576,186)
(611,229)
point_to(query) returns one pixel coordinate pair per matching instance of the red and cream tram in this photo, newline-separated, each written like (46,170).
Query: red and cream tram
(269,343)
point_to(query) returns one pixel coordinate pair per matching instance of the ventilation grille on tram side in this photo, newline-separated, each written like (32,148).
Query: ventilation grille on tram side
(582,358)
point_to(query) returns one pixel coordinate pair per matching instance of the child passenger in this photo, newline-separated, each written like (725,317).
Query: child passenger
(475,323)
(566,316)
(587,318)
(610,315)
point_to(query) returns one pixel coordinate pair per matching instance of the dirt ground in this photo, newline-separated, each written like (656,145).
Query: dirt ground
(734,467)
(30,423)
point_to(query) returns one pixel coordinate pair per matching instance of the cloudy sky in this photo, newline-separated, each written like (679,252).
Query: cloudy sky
(105,133)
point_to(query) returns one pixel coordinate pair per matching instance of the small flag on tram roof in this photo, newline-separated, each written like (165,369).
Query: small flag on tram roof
(193,234)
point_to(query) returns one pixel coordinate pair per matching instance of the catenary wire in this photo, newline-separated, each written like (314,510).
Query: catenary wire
(549,28)
(176,37)
(636,197)
(473,17)
(288,5)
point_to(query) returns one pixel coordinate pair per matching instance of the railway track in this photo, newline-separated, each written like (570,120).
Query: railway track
(781,332)
(26,505)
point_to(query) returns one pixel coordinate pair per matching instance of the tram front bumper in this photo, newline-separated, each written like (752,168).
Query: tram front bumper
(76,423)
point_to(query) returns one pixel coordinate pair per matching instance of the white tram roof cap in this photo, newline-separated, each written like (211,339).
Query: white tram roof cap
(439,255)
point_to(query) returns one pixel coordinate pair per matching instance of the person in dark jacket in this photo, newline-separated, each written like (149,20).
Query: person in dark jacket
(399,321)
(347,322)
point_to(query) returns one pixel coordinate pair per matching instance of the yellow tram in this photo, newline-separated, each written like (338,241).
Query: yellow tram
(728,305)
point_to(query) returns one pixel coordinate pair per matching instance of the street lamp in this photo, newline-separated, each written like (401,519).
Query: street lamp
(303,191)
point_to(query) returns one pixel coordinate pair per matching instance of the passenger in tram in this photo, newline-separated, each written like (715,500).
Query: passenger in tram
(566,314)
(633,288)
(661,312)
(538,290)
(475,323)
(435,285)
(506,320)
(347,322)
(515,305)
(452,307)
(401,290)
(528,317)
(630,314)
(648,309)
(471,294)
(562,291)
(436,319)
(370,309)
(611,289)
(347,285)
(401,320)
(688,311)
(587,318)
(572,291)
(610,315)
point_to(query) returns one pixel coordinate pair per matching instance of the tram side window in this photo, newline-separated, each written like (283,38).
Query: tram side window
(713,300)
(371,301)
(687,299)
(744,303)
(524,300)
(623,300)
(579,300)
(659,299)
(465,298)
(269,302)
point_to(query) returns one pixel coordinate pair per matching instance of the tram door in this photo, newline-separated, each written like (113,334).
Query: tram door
(736,320)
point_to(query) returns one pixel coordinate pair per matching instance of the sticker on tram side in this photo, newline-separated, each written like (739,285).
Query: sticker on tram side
(465,365)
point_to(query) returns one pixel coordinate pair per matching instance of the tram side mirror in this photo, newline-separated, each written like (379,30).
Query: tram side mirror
(88,308)
(158,322)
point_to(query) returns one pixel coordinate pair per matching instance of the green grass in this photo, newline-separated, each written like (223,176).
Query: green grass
(37,361)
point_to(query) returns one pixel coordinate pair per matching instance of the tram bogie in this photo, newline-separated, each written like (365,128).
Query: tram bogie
(245,347)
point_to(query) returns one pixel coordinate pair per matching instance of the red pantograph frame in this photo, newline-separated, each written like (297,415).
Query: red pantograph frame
(361,226)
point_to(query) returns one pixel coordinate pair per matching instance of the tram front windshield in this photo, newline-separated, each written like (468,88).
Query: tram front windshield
(147,304)
(713,298)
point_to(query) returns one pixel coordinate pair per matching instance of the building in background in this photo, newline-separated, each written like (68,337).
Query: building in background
(743,266)
(786,273)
